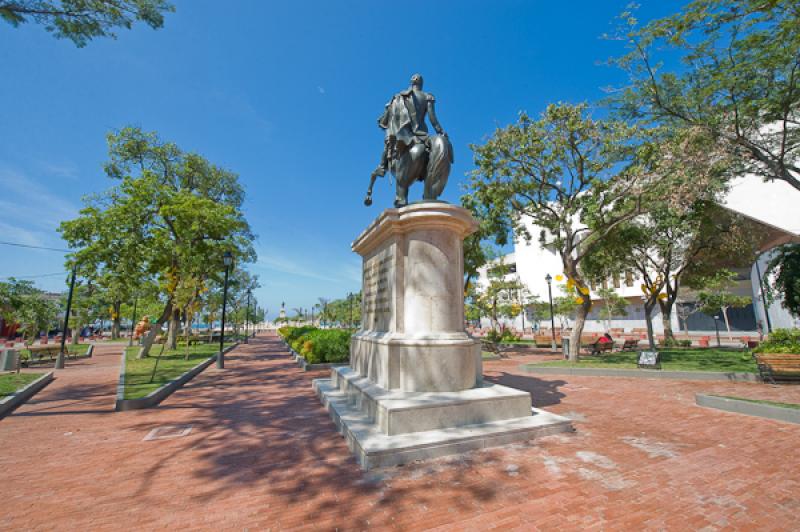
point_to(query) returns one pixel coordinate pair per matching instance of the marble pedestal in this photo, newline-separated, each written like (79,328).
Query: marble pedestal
(414,387)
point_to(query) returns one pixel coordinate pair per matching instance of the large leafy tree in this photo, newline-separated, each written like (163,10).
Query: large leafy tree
(23,304)
(83,20)
(784,270)
(573,176)
(739,81)
(170,219)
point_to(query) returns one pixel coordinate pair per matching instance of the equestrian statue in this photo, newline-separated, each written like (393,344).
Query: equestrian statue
(409,153)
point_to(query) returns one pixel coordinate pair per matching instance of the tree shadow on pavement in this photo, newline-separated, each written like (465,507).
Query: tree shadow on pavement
(543,392)
(266,429)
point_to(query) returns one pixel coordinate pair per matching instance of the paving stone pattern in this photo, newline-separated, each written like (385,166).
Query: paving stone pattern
(262,454)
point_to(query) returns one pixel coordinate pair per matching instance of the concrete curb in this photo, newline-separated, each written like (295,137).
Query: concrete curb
(643,373)
(156,396)
(747,408)
(21,396)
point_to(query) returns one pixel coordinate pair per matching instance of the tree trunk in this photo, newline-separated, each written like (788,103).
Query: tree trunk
(117,321)
(174,329)
(76,334)
(149,338)
(648,317)
(666,319)
(187,322)
(577,329)
(727,322)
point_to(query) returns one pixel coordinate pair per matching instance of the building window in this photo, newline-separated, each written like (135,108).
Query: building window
(615,279)
(628,279)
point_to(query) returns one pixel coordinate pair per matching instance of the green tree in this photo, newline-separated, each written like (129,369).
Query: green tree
(782,277)
(739,81)
(716,296)
(170,218)
(83,20)
(613,305)
(575,177)
(37,313)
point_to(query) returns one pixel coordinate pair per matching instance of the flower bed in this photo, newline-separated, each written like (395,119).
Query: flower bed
(318,346)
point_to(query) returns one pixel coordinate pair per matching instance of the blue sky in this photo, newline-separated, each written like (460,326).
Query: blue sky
(287,95)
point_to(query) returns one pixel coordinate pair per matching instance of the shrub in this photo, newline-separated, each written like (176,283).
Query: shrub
(502,336)
(781,341)
(329,345)
(290,334)
(673,342)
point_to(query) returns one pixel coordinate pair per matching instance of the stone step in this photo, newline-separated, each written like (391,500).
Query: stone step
(397,412)
(373,448)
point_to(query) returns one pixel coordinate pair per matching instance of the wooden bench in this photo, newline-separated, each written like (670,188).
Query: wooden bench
(631,344)
(599,347)
(38,352)
(778,367)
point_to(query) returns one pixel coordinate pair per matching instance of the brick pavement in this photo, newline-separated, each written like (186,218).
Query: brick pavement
(262,454)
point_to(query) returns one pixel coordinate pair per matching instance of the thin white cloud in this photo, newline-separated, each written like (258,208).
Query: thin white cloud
(31,192)
(67,170)
(321,90)
(20,235)
(309,267)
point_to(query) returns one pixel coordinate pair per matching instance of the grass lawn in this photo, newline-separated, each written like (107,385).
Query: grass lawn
(11,382)
(710,359)
(172,365)
(794,406)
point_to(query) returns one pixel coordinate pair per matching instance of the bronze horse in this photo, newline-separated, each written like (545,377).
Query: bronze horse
(410,154)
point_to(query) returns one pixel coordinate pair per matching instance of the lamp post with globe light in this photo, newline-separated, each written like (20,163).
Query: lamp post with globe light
(549,280)
(228,260)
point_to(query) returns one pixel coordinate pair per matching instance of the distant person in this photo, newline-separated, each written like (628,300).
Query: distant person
(606,339)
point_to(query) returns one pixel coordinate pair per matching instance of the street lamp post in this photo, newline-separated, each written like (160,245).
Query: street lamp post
(133,321)
(552,316)
(247,318)
(227,259)
(60,358)
(312,315)
(716,328)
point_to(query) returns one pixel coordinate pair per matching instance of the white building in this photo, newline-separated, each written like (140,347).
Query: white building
(774,210)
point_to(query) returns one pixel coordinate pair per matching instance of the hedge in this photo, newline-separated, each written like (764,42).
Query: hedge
(318,346)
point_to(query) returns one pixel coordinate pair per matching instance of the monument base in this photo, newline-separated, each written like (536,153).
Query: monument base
(391,427)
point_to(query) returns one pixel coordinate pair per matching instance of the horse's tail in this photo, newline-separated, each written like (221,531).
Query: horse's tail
(439,163)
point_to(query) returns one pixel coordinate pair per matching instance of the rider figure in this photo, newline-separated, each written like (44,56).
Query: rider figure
(403,119)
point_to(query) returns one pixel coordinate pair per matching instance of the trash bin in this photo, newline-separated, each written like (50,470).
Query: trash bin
(565,346)
(8,360)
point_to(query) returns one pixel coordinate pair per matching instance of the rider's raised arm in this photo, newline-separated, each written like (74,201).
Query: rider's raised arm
(432,115)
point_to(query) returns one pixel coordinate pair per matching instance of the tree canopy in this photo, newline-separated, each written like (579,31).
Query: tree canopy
(83,20)
(739,80)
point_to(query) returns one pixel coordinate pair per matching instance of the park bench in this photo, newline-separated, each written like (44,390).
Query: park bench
(598,347)
(775,367)
(38,352)
(630,344)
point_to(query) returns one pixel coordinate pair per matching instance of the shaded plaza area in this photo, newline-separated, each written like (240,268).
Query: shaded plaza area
(262,453)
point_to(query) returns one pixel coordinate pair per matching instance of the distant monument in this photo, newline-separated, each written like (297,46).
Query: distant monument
(409,153)
(282,314)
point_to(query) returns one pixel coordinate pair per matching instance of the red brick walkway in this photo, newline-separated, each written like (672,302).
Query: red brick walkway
(262,454)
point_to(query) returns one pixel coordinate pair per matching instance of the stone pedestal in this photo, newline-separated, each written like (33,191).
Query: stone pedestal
(414,388)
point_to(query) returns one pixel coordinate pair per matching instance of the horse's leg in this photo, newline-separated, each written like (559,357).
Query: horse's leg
(401,168)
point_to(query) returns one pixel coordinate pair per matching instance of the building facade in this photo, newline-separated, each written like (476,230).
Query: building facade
(770,209)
